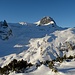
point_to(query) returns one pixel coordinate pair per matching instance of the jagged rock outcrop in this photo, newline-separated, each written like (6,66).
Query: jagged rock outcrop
(46,20)
(5,30)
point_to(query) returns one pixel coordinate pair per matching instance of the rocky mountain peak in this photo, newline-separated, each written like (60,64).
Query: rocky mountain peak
(46,20)
(5,30)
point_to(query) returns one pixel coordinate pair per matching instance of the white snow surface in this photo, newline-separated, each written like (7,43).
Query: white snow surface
(38,23)
(32,43)
(23,23)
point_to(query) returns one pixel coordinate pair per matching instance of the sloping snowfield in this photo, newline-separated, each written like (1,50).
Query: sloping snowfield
(32,43)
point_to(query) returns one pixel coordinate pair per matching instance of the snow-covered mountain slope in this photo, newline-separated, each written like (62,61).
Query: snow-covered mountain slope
(37,42)
(66,68)
(21,34)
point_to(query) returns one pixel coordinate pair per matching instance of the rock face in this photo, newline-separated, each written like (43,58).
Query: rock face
(5,30)
(47,20)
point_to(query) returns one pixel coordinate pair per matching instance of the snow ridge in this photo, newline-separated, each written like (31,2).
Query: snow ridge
(41,41)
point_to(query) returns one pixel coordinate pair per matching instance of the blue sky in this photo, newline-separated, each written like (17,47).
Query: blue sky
(62,11)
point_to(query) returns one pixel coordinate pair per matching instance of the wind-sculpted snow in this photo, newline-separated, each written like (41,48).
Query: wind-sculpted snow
(34,43)
(21,34)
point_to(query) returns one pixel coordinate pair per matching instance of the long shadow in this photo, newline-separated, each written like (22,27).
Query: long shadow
(66,70)
(53,37)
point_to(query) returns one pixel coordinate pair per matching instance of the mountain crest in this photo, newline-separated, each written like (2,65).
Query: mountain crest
(46,21)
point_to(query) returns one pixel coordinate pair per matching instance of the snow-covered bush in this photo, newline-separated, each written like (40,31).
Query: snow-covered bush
(17,66)
(70,57)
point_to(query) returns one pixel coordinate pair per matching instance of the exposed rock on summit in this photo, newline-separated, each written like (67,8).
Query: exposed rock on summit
(47,20)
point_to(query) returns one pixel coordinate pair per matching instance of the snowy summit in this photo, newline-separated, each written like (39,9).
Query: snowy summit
(46,21)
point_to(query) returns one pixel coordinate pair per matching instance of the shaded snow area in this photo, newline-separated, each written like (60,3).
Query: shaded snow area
(66,68)
(34,43)
(21,35)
